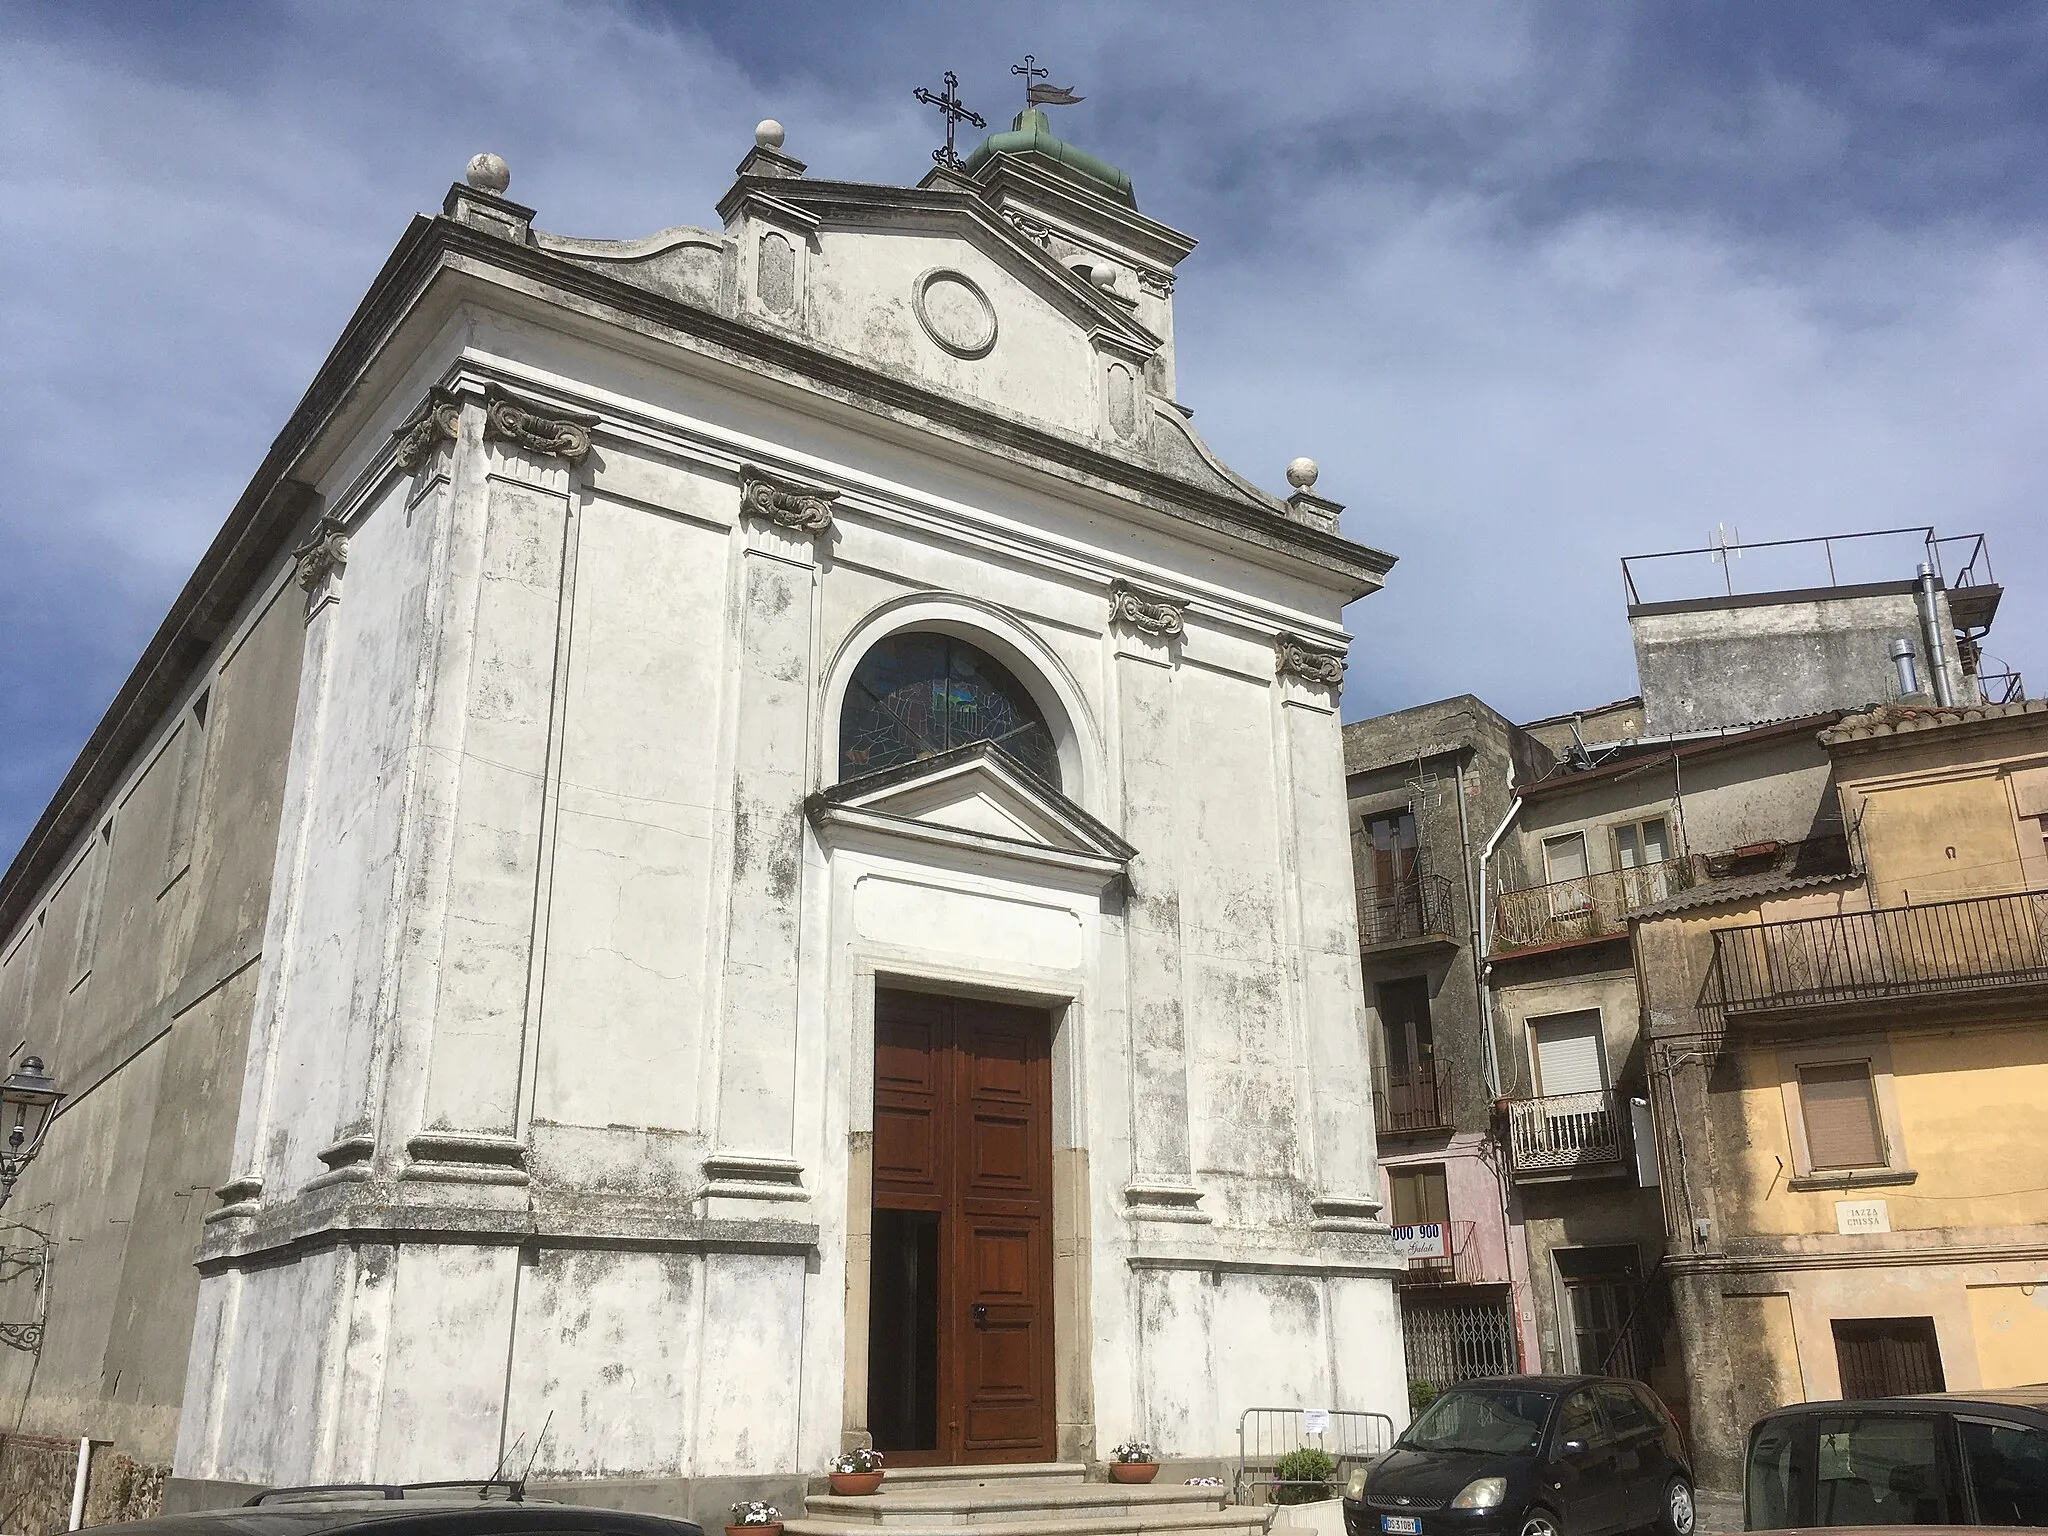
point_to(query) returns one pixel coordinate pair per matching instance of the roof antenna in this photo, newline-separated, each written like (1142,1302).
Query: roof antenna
(519,1488)
(1578,759)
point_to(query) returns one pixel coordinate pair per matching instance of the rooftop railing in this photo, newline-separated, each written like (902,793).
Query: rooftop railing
(1774,565)
(1566,1132)
(1417,908)
(1932,949)
(1585,907)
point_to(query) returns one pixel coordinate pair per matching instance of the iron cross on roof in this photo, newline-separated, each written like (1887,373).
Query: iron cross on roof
(1047,95)
(955,112)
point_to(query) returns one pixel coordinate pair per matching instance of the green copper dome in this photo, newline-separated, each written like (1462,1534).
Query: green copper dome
(1031,134)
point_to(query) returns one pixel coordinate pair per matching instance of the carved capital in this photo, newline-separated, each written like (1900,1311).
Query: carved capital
(506,420)
(1310,663)
(800,508)
(1154,615)
(323,555)
(1158,284)
(437,421)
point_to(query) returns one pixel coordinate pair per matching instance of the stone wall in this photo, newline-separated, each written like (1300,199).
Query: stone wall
(38,1475)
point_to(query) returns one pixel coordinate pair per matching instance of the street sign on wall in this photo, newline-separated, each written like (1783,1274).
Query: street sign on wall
(1423,1240)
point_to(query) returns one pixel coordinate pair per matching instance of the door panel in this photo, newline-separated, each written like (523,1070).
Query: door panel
(963,1128)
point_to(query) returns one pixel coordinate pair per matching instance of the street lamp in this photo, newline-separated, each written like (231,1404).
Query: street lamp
(29,1098)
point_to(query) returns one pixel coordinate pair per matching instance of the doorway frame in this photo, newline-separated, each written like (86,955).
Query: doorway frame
(1072,1268)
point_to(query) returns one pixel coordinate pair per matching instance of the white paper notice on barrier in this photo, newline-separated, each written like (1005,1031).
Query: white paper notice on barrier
(1424,1240)
(1315,1421)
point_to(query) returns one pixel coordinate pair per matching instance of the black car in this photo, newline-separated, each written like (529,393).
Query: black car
(1941,1458)
(1529,1456)
(415,1509)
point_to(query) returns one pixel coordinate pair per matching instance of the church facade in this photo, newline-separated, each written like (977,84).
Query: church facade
(806,895)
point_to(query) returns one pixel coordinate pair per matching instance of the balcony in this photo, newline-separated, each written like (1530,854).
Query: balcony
(1567,1133)
(1416,911)
(1980,948)
(1585,910)
(1416,1100)
(1461,1268)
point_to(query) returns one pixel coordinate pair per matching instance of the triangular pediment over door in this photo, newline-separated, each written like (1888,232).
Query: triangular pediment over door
(977,801)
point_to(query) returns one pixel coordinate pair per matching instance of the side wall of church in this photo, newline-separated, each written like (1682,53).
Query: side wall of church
(133,975)
(561,1060)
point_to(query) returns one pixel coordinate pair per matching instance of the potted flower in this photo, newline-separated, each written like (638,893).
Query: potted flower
(751,1517)
(856,1471)
(1134,1462)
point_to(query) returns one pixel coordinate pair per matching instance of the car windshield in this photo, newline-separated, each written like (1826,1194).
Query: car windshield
(1494,1421)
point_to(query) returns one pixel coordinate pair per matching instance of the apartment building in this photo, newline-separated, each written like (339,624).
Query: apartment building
(1715,782)
(1425,788)
(1849,1069)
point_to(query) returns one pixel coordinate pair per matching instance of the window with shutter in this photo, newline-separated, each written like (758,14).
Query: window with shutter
(1568,1054)
(1418,1195)
(1839,1104)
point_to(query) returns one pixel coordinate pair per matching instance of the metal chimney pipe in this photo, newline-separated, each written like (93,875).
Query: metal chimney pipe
(1902,664)
(1930,626)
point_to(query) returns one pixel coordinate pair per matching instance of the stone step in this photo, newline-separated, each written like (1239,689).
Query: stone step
(991,1474)
(1161,1519)
(940,1505)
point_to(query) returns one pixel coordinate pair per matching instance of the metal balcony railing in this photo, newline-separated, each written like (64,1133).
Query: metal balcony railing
(1929,950)
(1588,907)
(1418,1099)
(1461,1268)
(1417,908)
(1566,1132)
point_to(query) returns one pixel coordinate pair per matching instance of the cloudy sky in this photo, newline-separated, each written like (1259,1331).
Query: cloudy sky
(1538,285)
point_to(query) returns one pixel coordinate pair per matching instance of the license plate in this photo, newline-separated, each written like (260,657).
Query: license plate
(1401,1525)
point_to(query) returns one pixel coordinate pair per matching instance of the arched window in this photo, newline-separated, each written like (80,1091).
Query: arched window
(918,694)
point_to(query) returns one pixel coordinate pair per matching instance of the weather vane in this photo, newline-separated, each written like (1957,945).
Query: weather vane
(955,113)
(1036,95)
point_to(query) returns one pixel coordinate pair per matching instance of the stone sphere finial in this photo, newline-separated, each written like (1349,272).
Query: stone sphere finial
(1301,473)
(488,173)
(1103,276)
(768,134)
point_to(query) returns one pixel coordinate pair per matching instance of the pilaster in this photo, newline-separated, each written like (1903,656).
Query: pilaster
(754,1161)
(1145,631)
(493,714)
(1337,1071)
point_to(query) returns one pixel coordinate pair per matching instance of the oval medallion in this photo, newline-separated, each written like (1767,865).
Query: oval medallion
(955,313)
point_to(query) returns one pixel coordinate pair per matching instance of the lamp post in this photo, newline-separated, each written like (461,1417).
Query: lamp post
(28,1098)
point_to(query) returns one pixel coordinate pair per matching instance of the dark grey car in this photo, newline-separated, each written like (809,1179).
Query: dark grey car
(1942,1458)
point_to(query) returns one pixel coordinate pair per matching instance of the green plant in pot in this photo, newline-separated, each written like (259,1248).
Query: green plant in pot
(1133,1462)
(1303,1476)
(858,1471)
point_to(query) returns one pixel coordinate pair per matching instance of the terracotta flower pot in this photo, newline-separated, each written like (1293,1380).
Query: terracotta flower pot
(754,1530)
(855,1482)
(1133,1471)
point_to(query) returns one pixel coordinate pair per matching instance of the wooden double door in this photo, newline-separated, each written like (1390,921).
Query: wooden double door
(960,1324)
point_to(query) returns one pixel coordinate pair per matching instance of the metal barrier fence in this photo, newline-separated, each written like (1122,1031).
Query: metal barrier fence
(1264,1435)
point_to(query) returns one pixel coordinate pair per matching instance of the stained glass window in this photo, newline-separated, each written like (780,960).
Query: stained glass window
(916,695)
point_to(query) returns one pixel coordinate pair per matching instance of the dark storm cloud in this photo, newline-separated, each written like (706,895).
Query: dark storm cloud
(1538,285)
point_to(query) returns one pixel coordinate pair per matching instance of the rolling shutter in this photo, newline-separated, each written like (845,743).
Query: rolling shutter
(1568,1056)
(1841,1116)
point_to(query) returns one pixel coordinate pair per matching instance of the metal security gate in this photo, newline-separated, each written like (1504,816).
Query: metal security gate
(1451,1344)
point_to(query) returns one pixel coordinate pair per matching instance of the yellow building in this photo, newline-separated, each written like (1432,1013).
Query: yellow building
(1849,1072)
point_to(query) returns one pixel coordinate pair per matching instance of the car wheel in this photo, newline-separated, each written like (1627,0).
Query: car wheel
(1679,1516)
(1541,1522)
